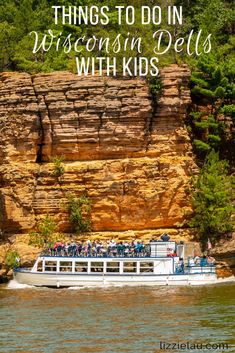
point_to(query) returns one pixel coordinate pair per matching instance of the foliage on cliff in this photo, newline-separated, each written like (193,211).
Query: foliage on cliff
(58,169)
(212,118)
(212,195)
(12,259)
(79,213)
(212,83)
(45,233)
(19,18)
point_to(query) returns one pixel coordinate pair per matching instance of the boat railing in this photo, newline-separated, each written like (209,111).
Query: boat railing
(202,269)
(96,255)
(209,268)
(76,250)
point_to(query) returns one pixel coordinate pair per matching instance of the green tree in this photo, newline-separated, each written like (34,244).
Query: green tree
(207,132)
(12,259)
(46,229)
(212,196)
(79,213)
(6,45)
(211,84)
(58,166)
(213,92)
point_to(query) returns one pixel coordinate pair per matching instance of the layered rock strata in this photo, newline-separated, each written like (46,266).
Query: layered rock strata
(132,162)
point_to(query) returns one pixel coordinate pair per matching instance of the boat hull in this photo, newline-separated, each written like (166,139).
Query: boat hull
(84,280)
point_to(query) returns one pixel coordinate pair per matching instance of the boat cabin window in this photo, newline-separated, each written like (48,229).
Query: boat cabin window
(65,266)
(146,267)
(81,266)
(112,266)
(50,266)
(39,266)
(97,266)
(129,266)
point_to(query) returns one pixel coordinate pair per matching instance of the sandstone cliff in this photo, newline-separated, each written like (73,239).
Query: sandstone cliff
(132,162)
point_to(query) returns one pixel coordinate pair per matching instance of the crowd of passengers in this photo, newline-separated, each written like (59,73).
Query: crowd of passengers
(113,248)
(102,248)
(99,248)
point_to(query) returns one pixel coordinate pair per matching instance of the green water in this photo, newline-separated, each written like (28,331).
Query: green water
(113,320)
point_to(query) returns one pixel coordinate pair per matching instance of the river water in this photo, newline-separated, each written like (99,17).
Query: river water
(117,319)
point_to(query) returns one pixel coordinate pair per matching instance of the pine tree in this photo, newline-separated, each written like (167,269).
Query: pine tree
(212,195)
(212,87)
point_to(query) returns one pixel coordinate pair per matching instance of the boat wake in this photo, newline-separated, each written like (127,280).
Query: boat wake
(163,287)
(13,284)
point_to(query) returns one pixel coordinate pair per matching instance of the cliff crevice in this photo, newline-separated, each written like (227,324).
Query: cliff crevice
(40,125)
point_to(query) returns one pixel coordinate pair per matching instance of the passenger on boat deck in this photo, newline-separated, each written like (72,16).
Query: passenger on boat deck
(165,237)
(180,267)
(210,260)
(58,247)
(120,248)
(203,261)
(191,262)
(197,259)
(73,248)
(172,253)
(66,249)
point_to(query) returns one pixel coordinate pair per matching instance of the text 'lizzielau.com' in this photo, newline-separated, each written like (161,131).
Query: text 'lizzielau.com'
(186,346)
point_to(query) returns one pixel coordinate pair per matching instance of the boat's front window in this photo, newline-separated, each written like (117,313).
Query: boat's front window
(65,266)
(50,265)
(146,267)
(97,266)
(129,266)
(112,266)
(81,266)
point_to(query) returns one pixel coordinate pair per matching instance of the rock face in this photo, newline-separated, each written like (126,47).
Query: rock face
(133,163)
(225,253)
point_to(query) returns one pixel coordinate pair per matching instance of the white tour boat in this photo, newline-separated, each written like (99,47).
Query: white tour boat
(163,265)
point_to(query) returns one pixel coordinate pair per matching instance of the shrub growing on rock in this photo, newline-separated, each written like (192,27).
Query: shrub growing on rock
(12,259)
(58,166)
(46,229)
(79,213)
